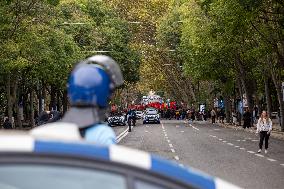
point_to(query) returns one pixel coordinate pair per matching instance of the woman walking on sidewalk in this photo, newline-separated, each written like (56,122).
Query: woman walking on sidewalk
(264,127)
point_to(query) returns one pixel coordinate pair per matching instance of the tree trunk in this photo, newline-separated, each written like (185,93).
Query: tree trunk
(32,108)
(52,105)
(40,100)
(19,109)
(59,101)
(268,96)
(227,108)
(247,83)
(9,97)
(278,85)
(65,101)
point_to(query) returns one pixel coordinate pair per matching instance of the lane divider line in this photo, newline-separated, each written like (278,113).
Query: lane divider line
(177,158)
(171,145)
(168,141)
(173,150)
(122,135)
(251,152)
(259,155)
(242,148)
(230,144)
(272,160)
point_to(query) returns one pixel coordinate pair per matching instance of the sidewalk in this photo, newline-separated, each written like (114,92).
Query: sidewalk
(275,133)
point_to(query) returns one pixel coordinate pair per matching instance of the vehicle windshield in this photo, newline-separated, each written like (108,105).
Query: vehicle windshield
(152,113)
(116,114)
(57,177)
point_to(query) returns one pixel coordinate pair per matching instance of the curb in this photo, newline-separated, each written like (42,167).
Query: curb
(274,134)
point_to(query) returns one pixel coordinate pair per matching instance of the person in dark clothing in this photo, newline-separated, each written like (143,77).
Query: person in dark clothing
(222,115)
(7,124)
(193,115)
(205,115)
(49,117)
(247,119)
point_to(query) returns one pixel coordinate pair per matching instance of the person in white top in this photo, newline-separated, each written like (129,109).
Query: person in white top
(264,127)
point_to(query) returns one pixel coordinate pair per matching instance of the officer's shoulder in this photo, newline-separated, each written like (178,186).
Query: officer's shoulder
(57,130)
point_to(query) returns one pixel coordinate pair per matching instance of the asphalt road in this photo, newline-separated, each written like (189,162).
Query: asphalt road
(223,152)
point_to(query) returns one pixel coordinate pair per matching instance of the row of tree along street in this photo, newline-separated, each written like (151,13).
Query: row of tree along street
(41,40)
(192,50)
(228,48)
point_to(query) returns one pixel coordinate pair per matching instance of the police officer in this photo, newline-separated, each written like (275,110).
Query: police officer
(90,87)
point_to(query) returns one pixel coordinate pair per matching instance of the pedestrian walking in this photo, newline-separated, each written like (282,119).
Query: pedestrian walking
(222,116)
(247,119)
(235,120)
(264,128)
(213,116)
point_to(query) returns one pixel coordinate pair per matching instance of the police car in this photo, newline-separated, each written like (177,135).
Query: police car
(36,160)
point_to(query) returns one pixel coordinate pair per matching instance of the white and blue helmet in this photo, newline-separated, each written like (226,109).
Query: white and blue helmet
(92,82)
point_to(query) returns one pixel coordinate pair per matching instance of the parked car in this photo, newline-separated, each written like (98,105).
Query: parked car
(28,162)
(116,119)
(151,116)
(139,114)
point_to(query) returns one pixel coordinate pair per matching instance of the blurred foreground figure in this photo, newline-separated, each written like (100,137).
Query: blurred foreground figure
(90,87)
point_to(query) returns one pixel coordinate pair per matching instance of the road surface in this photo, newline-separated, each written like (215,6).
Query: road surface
(223,152)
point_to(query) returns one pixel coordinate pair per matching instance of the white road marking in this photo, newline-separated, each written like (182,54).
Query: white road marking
(214,136)
(243,140)
(173,150)
(177,158)
(230,144)
(242,148)
(168,141)
(272,160)
(195,128)
(146,131)
(171,145)
(254,140)
(251,152)
(216,129)
(259,155)
(166,135)
(220,139)
(182,131)
(224,141)
(122,135)
(238,140)
(282,165)
(237,146)
(177,126)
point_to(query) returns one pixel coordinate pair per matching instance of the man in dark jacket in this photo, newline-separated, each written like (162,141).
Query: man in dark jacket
(49,117)
(7,124)
(247,119)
